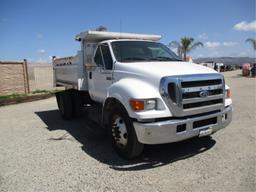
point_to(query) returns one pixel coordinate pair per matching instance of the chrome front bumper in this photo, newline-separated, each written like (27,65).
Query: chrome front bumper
(166,131)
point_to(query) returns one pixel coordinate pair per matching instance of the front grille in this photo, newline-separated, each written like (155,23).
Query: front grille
(201,83)
(192,94)
(201,104)
(197,94)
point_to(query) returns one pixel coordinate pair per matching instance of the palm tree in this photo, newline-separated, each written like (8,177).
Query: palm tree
(252,41)
(185,46)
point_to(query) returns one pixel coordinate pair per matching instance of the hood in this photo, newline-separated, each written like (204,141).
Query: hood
(162,69)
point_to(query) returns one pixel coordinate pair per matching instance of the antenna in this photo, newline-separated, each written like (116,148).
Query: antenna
(120,37)
(120,27)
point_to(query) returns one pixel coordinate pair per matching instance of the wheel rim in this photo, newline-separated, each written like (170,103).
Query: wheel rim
(119,131)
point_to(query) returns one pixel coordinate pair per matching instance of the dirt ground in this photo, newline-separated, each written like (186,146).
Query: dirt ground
(41,152)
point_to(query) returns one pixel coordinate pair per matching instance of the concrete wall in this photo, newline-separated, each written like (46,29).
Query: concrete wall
(13,77)
(41,78)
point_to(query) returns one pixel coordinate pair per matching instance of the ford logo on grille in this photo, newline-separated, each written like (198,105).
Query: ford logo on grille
(204,93)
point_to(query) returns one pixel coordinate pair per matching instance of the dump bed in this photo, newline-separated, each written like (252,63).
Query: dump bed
(69,72)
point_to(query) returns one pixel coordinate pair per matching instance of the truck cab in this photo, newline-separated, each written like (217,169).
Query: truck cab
(141,91)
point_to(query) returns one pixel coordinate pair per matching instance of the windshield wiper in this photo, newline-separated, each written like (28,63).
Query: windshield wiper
(134,59)
(150,59)
(165,59)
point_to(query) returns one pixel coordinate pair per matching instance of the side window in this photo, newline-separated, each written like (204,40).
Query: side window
(98,57)
(107,56)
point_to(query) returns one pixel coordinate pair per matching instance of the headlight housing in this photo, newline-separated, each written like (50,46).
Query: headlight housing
(143,104)
(227,93)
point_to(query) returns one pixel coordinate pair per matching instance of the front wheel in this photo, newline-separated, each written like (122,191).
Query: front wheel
(122,133)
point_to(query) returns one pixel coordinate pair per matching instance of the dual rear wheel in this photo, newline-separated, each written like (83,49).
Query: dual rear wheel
(70,104)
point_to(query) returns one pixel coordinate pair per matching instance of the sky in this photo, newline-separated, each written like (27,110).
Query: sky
(38,29)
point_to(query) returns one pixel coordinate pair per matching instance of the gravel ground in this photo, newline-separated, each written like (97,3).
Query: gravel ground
(41,152)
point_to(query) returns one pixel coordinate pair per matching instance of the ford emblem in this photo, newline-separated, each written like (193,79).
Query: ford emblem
(204,93)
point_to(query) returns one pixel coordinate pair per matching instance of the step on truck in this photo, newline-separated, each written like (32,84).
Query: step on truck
(140,91)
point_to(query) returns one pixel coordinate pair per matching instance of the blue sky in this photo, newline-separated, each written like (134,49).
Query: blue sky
(38,29)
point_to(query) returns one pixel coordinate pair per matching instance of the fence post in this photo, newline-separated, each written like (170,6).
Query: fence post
(26,75)
(53,70)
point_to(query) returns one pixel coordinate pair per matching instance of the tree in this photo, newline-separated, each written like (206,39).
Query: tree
(185,45)
(252,41)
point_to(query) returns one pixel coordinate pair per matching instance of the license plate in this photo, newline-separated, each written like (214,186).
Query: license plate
(205,132)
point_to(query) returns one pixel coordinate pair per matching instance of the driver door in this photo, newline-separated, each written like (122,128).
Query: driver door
(101,77)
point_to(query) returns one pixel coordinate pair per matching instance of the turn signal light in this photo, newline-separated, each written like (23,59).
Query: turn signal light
(137,105)
(228,93)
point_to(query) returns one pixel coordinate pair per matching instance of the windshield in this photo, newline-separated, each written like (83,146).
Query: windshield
(130,51)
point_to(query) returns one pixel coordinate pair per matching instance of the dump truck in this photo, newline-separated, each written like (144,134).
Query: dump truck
(140,91)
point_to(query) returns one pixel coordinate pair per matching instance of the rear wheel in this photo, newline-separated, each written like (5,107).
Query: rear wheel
(65,104)
(77,103)
(122,133)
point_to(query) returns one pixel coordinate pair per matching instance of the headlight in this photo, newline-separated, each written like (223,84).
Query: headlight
(150,104)
(227,93)
(140,105)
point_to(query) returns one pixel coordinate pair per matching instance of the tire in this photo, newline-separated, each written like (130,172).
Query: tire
(65,104)
(77,103)
(122,133)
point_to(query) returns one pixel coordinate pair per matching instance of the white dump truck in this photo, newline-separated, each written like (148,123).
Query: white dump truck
(139,91)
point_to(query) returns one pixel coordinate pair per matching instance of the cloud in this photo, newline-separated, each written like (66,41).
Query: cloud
(215,44)
(41,51)
(39,35)
(203,36)
(229,44)
(212,45)
(244,26)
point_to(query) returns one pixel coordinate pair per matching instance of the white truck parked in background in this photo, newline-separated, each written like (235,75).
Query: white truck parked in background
(141,91)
